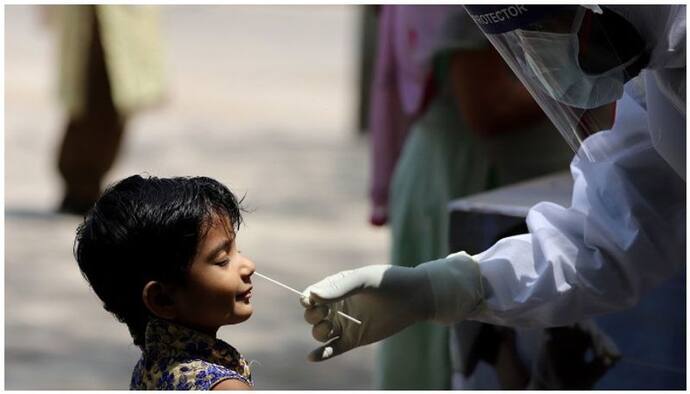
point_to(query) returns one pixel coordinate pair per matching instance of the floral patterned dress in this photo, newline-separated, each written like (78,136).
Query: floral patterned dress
(179,358)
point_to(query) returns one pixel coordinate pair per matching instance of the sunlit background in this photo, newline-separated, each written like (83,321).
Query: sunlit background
(262,98)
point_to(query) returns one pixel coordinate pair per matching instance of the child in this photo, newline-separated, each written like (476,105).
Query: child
(161,255)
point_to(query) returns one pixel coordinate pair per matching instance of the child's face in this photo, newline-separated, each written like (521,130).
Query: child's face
(219,285)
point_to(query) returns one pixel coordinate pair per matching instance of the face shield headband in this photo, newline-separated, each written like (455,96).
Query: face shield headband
(572,60)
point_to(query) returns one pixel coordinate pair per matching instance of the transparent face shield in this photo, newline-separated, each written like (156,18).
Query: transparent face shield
(571,60)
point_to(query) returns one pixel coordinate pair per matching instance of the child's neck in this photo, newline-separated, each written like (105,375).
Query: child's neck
(211,331)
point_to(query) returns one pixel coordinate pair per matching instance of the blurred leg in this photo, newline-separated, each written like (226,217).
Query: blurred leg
(92,139)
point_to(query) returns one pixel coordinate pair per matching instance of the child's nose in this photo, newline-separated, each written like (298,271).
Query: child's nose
(248,267)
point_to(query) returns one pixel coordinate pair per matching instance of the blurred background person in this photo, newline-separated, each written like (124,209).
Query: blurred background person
(448,119)
(110,66)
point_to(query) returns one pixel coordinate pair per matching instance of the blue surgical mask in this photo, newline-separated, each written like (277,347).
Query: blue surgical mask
(552,59)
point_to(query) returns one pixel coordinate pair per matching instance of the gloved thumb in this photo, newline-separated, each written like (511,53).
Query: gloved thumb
(329,350)
(333,288)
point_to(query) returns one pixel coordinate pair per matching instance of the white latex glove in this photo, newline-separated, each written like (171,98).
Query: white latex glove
(387,299)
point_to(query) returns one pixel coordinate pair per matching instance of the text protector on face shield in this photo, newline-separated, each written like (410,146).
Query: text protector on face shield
(567,59)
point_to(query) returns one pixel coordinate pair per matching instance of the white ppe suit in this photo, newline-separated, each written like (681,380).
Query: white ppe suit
(622,235)
(625,229)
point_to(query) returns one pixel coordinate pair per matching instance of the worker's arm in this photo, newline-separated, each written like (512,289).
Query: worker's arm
(623,235)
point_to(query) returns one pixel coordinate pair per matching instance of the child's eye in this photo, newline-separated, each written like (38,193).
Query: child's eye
(223,263)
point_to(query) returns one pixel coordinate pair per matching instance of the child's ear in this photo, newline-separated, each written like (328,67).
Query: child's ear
(158,301)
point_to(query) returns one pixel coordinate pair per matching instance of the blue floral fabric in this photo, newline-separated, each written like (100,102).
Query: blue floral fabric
(179,358)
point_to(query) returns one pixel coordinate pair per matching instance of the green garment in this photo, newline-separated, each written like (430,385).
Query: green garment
(443,160)
(439,162)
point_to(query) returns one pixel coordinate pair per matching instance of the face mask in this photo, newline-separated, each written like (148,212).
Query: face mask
(552,59)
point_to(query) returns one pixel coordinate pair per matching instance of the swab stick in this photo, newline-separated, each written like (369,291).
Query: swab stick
(299,293)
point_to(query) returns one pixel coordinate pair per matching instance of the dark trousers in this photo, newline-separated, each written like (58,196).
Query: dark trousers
(93,138)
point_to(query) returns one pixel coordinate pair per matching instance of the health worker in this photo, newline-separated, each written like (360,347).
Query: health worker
(612,79)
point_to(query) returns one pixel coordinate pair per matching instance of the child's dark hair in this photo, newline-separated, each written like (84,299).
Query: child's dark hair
(144,229)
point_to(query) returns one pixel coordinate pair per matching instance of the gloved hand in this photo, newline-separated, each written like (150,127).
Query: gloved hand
(387,299)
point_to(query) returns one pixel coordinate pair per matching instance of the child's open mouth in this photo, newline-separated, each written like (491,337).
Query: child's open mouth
(244,296)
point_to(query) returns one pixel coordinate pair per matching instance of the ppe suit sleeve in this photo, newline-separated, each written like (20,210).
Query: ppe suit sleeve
(623,234)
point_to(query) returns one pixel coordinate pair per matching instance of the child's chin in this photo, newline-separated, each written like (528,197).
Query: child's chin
(243,314)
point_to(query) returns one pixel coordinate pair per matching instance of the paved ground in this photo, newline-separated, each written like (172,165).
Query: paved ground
(261,98)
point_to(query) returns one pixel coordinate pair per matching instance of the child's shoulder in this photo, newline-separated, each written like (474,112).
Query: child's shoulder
(185,374)
(202,374)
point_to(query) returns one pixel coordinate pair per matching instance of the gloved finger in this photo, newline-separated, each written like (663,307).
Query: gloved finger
(310,299)
(329,350)
(330,289)
(315,314)
(344,283)
(305,299)
(323,332)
